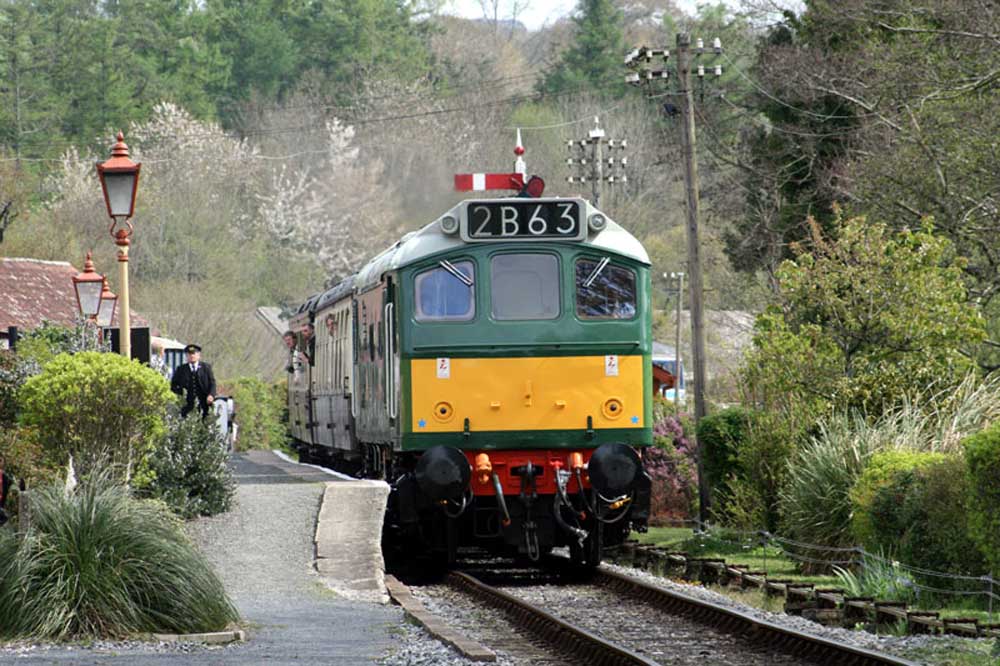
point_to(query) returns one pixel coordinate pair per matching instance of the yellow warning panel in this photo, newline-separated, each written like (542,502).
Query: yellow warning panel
(538,393)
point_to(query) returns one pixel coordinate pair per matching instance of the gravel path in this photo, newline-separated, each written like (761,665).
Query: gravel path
(263,550)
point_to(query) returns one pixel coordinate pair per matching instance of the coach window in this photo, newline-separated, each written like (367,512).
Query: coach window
(525,286)
(604,290)
(446,292)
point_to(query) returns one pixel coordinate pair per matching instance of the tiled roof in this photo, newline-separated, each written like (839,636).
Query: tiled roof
(32,290)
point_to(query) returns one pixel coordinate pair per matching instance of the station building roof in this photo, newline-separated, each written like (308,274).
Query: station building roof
(35,290)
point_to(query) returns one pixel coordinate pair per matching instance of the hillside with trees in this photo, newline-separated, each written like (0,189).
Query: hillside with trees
(284,142)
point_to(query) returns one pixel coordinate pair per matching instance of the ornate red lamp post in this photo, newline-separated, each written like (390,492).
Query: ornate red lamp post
(120,180)
(106,313)
(88,286)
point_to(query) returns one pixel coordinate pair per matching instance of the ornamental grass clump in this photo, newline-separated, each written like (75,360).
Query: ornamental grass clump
(98,563)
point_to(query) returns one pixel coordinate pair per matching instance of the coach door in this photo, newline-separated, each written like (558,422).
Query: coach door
(391,353)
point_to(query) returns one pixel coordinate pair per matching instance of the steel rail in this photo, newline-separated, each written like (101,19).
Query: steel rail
(798,643)
(584,645)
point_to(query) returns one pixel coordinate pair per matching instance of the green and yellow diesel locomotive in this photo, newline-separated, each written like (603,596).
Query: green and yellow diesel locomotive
(494,368)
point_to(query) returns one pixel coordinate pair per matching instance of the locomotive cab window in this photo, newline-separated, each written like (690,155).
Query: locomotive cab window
(604,290)
(525,286)
(446,292)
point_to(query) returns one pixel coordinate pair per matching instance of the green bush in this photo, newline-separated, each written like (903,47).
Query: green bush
(912,505)
(940,535)
(762,461)
(187,469)
(97,408)
(982,458)
(880,497)
(259,412)
(24,456)
(99,563)
(720,437)
(12,376)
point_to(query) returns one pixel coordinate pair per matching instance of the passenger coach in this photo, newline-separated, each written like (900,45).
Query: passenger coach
(495,368)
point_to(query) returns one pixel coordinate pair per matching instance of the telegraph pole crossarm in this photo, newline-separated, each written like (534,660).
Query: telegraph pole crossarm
(594,167)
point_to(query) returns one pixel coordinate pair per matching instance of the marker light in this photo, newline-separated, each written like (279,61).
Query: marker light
(597,222)
(535,187)
(449,225)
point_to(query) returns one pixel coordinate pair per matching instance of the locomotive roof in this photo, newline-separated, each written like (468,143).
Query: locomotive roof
(430,240)
(334,293)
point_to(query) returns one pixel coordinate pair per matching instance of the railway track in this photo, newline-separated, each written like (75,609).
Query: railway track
(613,619)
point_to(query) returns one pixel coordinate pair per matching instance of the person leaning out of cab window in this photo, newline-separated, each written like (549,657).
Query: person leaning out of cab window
(308,349)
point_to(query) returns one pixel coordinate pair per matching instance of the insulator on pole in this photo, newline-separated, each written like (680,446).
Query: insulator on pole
(701,71)
(717,45)
(718,70)
(569,162)
(624,161)
(699,44)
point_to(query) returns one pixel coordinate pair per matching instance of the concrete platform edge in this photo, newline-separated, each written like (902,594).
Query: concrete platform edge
(348,545)
(434,625)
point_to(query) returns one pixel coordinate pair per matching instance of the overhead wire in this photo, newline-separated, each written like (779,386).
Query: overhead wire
(506,101)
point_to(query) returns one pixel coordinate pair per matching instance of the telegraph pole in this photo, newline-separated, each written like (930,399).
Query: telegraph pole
(594,143)
(642,60)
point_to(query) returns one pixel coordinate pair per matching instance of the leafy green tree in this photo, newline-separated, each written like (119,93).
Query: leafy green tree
(594,58)
(863,321)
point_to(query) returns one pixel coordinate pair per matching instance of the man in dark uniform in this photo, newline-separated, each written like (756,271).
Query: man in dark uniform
(194,379)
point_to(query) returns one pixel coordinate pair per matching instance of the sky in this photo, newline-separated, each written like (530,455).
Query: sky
(538,12)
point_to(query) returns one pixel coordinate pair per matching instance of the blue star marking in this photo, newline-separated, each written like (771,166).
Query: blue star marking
(422,423)
(635,419)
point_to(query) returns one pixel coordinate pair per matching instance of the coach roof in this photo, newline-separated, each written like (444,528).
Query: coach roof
(430,240)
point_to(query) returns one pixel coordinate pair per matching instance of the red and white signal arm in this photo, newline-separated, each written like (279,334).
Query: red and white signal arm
(481,182)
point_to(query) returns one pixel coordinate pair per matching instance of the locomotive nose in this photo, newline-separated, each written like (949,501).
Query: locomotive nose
(443,472)
(614,468)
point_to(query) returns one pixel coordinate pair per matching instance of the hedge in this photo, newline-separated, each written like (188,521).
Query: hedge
(982,459)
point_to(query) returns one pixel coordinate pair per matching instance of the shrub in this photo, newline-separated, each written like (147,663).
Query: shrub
(879,578)
(13,374)
(259,410)
(880,496)
(762,459)
(982,458)
(671,466)
(940,535)
(720,437)
(24,456)
(815,500)
(96,408)
(913,505)
(187,469)
(99,563)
